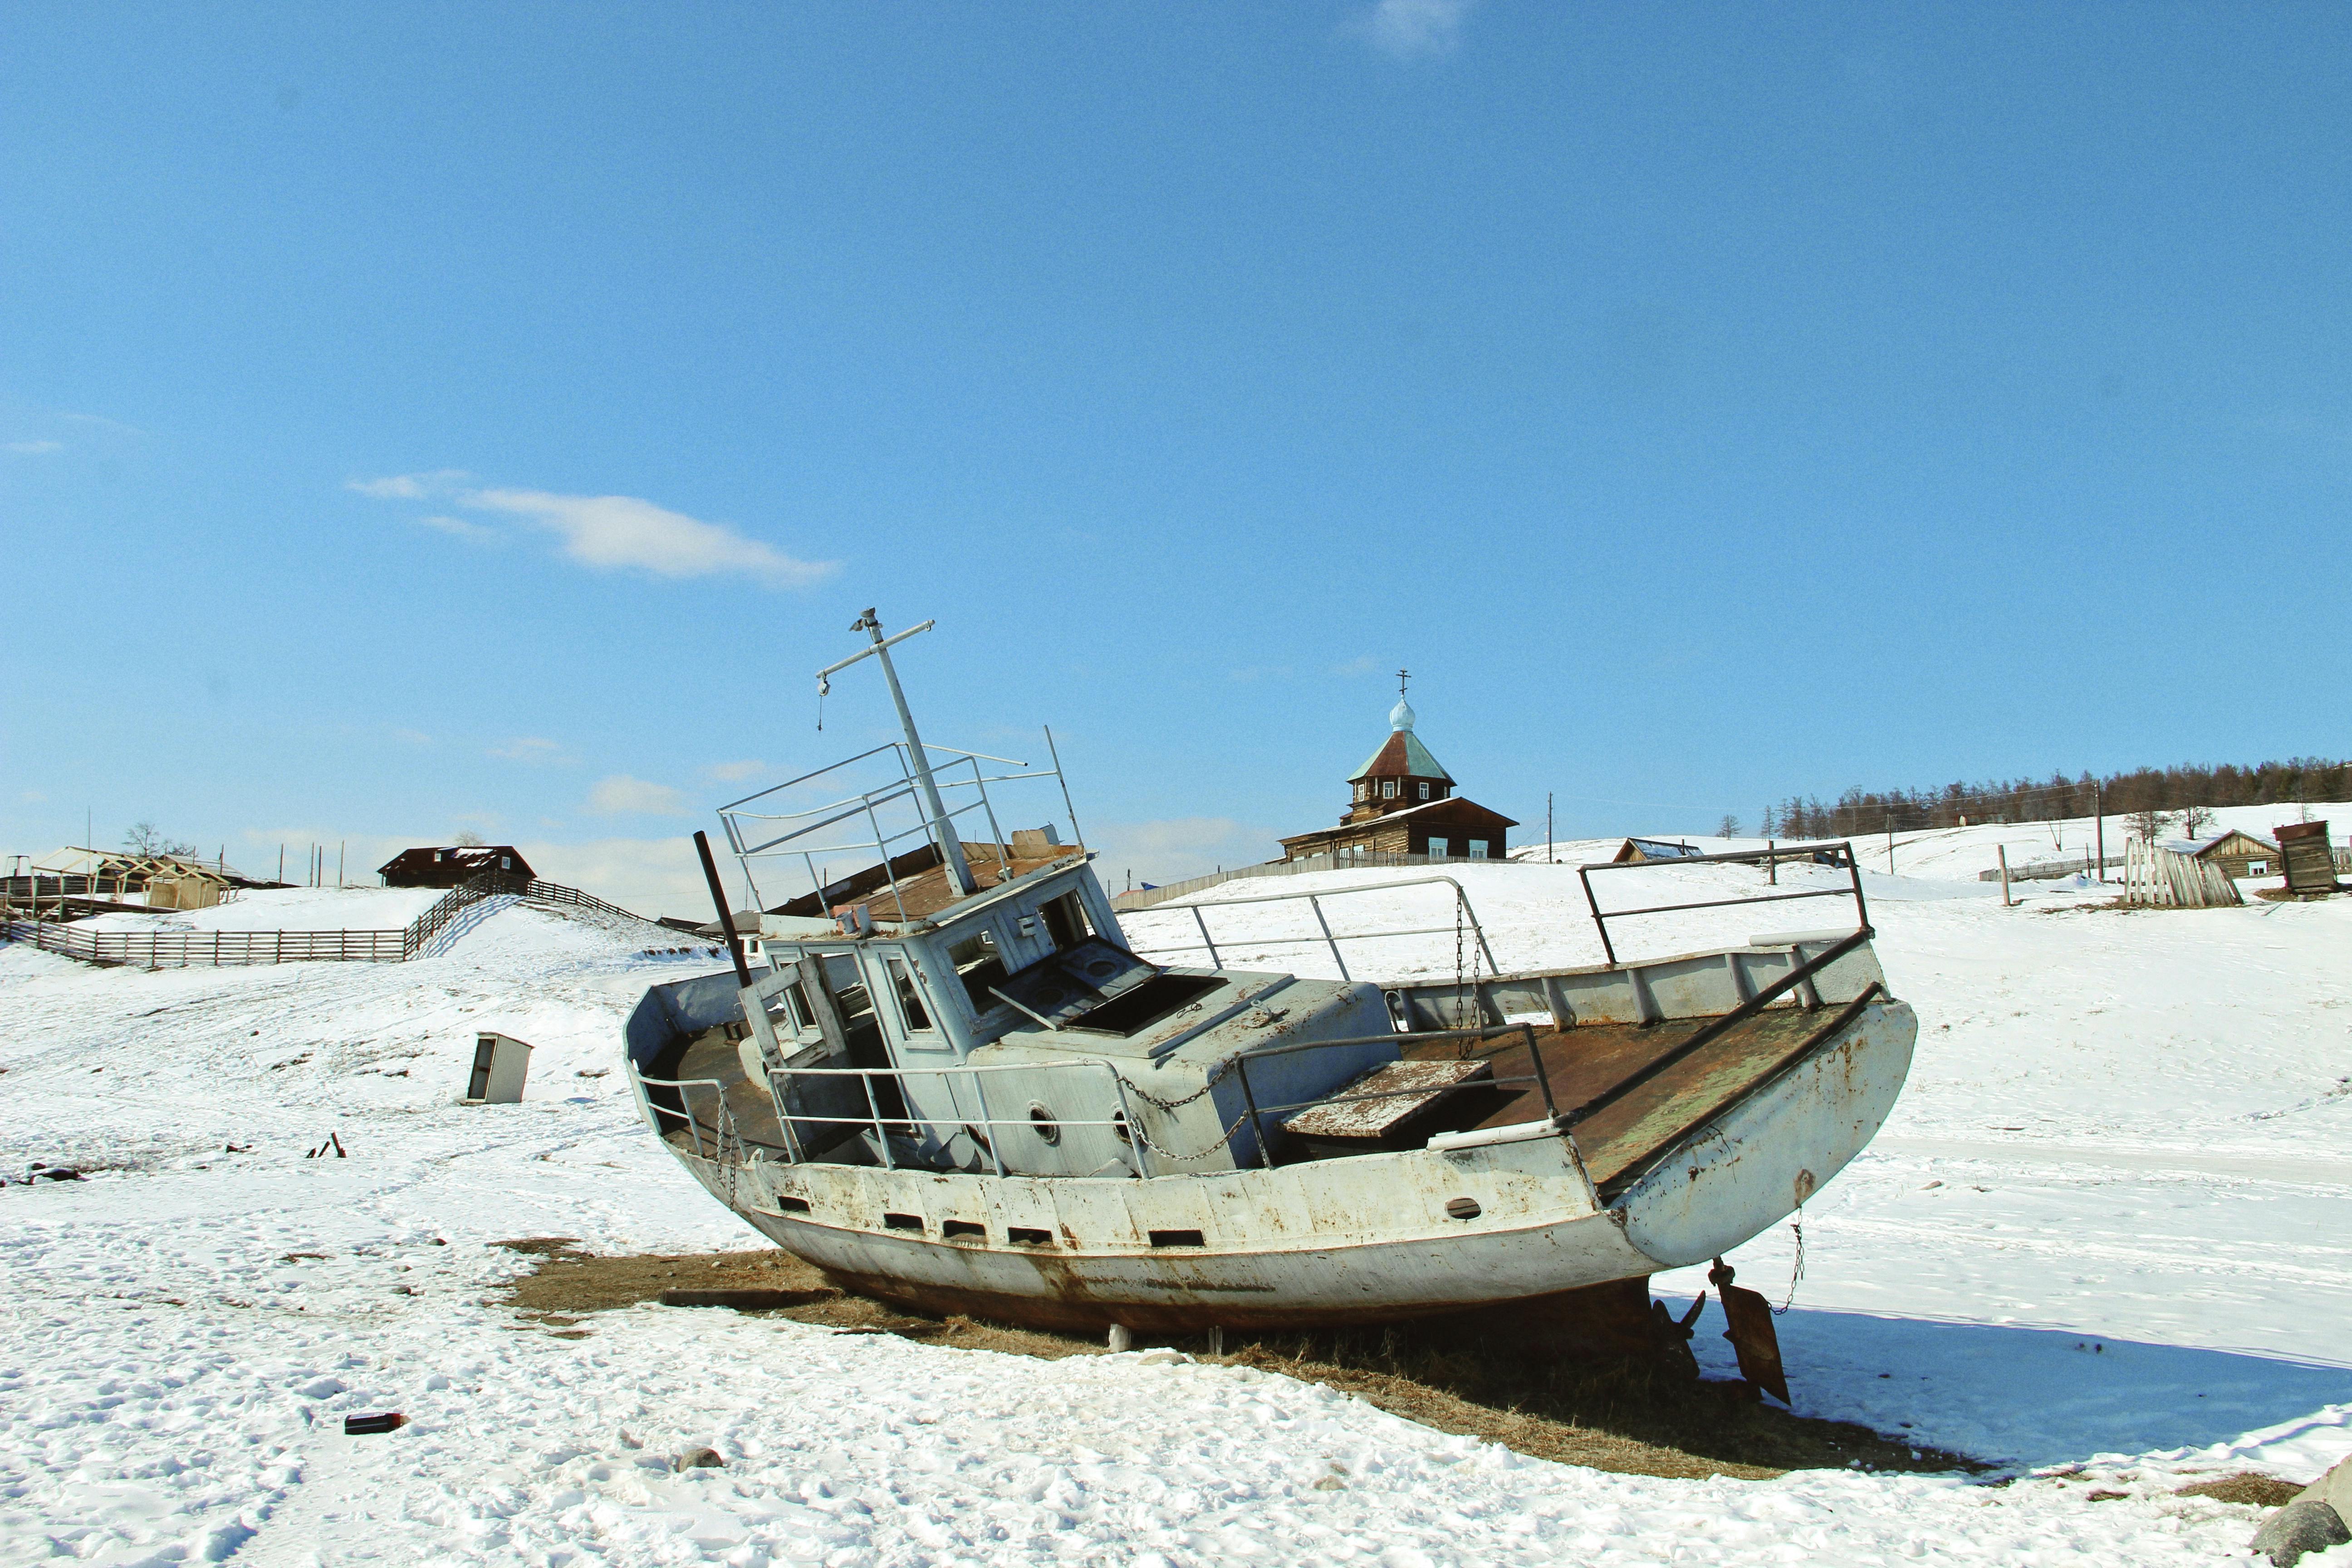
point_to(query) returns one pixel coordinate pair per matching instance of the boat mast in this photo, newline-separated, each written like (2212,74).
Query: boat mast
(942,827)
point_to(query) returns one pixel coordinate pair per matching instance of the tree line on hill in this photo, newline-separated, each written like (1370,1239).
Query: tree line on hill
(2152,794)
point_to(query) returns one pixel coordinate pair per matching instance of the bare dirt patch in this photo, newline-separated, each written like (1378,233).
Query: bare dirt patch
(1635,1420)
(2246,1486)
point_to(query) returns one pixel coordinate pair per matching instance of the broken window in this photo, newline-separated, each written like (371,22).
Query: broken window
(1066,921)
(979,965)
(911,1001)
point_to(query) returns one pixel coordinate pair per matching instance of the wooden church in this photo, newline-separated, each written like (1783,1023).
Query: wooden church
(1402,803)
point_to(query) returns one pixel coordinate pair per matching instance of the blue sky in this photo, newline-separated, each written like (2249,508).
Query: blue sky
(425,418)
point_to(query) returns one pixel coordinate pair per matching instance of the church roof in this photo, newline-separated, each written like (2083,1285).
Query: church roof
(1402,755)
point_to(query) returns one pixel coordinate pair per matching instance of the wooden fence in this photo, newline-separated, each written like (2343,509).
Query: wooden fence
(181,949)
(2165,879)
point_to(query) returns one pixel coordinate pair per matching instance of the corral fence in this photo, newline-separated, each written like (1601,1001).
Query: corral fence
(181,949)
(2050,870)
(2157,878)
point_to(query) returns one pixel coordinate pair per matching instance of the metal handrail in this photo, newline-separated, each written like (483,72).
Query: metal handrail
(1541,1078)
(1133,1135)
(869,803)
(722,1133)
(1799,975)
(1601,917)
(1312,901)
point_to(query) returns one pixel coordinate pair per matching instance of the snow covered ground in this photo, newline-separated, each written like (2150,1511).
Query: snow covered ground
(2103,1228)
(1961,853)
(286,908)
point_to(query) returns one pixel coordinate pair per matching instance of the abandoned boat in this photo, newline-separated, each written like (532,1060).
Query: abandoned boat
(954,1083)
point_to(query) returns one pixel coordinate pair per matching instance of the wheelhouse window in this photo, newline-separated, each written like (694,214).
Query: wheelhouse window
(909,994)
(1066,921)
(979,965)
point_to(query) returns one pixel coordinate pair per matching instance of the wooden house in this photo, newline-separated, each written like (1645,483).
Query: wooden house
(1401,801)
(2239,855)
(445,866)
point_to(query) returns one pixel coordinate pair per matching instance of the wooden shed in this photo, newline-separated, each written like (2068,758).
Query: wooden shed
(2309,867)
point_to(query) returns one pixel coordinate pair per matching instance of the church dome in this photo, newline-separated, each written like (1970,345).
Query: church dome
(1401,717)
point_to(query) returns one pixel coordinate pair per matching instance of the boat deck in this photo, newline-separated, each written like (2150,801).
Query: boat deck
(1619,1142)
(1622,1140)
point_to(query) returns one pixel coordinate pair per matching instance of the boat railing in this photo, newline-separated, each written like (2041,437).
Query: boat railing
(1465,923)
(1468,1039)
(722,1133)
(754,832)
(1840,855)
(1122,1124)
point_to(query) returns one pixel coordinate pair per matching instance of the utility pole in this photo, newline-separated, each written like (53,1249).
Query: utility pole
(1548,839)
(1890,844)
(943,829)
(2099,810)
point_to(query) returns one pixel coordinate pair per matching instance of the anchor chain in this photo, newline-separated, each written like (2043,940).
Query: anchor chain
(1796,1269)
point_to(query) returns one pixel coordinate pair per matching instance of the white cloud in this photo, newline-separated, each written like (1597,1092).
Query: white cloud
(623,532)
(735,773)
(33,448)
(530,749)
(410,487)
(610,532)
(471,533)
(1413,29)
(621,795)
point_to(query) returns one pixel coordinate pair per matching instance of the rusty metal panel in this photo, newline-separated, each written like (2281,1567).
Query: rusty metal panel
(1389,1095)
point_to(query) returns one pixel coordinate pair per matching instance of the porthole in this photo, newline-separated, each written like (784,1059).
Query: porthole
(1118,1128)
(1041,1121)
(1462,1208)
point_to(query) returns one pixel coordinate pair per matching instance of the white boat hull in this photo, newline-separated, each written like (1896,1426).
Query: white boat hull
(1367,1238)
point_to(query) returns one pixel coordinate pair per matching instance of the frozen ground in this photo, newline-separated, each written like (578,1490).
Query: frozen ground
(2098,1231)
(286,908)
(1961,853)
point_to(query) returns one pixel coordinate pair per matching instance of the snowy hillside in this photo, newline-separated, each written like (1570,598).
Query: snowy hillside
(2105,1220)
(1962,853)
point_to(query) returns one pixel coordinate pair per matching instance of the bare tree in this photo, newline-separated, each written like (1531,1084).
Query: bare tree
(2148,823)
(146,838)
(1728,828)
(2195,820)
(469,839)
